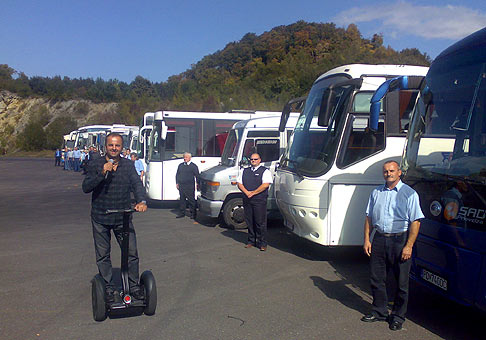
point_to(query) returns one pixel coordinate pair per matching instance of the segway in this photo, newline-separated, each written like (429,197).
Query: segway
(101,308)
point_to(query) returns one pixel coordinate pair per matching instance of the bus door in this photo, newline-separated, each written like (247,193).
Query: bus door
(360,160)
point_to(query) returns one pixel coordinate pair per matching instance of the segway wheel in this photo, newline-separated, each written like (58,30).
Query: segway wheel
(98,298)
(147,280)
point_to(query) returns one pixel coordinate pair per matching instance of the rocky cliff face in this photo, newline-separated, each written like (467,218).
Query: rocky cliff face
(16,112)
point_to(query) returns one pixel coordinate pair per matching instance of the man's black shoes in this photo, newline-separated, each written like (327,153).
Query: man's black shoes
(372,318)
(180,216)
(395,326)
(112,296)
(137,293)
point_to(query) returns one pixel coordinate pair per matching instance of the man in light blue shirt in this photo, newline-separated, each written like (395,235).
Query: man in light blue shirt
(394,213)
(138,165)
(77,159)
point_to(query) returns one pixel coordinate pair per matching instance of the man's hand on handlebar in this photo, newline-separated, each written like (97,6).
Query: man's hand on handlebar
(141,207)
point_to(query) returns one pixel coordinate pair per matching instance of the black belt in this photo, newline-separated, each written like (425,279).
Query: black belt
(391,234)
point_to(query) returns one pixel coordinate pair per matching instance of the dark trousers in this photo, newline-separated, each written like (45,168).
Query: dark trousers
(186,192)
(256,220)
(102,238)
(386,253)
(76,163)
(58,161)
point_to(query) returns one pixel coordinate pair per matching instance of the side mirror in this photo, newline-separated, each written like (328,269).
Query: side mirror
(329,98)
(164,131)
(326,108)
(244,161)
(298,102)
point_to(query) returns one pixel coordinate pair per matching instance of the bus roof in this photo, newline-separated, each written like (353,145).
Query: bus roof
(363,70)
(160,115)
(470,50)
(266,122)
(100,127)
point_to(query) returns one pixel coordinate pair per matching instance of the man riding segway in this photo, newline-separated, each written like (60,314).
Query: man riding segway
(111,179)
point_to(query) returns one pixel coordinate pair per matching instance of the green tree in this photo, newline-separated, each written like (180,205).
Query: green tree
(33,138)
(56,130)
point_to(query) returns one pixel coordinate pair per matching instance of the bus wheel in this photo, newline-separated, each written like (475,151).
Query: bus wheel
(233,214)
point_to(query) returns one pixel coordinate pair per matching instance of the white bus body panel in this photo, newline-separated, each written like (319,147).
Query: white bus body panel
(330,210)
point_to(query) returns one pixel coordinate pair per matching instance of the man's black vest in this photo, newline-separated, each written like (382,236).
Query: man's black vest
(252,180)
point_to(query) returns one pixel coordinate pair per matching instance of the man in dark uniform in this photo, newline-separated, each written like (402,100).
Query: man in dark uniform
(394,211)
(187,173)
(111,179)
(254,182)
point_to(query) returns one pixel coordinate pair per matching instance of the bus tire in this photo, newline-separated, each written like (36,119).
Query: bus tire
(233,214)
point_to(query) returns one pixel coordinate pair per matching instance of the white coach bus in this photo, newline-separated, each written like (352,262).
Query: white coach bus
(203,134)
(334,159)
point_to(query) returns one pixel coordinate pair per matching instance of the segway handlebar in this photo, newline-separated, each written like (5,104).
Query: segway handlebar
(114,211)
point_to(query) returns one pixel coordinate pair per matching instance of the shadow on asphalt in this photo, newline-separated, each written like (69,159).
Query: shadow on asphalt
(338,290)
(444,318)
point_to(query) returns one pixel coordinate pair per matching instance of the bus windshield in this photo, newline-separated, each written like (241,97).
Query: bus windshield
(447,138)
(230,151)
(313,148)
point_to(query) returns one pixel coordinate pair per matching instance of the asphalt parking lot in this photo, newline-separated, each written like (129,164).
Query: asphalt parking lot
(209,286)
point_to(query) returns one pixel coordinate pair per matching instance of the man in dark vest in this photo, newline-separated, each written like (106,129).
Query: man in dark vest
(187,172)
(254,182)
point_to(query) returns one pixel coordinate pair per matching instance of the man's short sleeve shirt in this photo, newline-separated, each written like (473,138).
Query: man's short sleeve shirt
(392,211)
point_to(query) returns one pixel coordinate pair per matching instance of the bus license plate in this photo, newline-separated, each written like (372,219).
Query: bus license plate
(436,280)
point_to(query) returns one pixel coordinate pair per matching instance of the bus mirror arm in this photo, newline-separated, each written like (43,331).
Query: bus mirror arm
(286,111)
(394,84)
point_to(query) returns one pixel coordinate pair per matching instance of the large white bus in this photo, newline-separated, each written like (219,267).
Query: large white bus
(69,139)
(90,135)
(126,132)
(334,160)
(203,134)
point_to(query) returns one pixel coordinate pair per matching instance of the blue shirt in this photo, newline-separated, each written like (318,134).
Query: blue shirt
(77,154)
(139,166)
(391,211)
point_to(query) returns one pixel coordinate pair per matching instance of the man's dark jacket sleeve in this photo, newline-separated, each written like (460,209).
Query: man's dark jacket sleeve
(93,178)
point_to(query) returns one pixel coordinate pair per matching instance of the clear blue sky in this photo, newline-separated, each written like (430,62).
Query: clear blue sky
(159,38)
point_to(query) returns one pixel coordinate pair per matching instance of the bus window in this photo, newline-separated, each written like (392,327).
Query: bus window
(268,149)
(249,148)
(359,142)
(407,103)
(154,150)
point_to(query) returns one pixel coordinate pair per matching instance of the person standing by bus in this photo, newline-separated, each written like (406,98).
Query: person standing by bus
(254,182)
(58,156)
(187,174)
(76,159)
(66,158)
(394,212)
(138,165)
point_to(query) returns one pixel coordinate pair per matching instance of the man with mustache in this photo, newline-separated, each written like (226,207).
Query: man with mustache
(394,212)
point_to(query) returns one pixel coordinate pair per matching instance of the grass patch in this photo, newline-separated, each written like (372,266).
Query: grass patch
(31,154)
